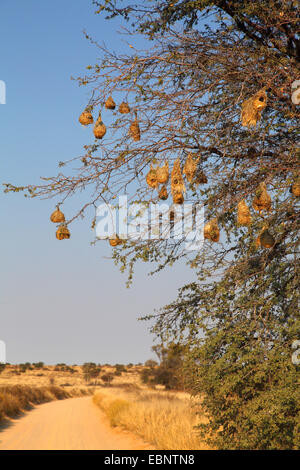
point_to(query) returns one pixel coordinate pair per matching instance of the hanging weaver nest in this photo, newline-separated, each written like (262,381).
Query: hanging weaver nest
(243,215)
(57,216)
(262,200)
(252,108)
(86,117)
(212,231)
(178,197)
(99,128)
(115,241)
(109,103)
(134,130)
(151,177)
(190,167)
(163,173)
(163,193)
(177,183)
(172,215)
(265,239)
(62,232)
(295,189)
(124,108)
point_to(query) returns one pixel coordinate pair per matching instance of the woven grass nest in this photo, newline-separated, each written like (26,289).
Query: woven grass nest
(178,197)
(124,108)
(57,216)
(262,200)
(99,128)
(163,193)
(162,173)
(151,177)
(243,215)
(86,117)
(212,231)
(295,189)
(63,232)
(115,241)
(109,103)
(265,239)
(134,130)
(190,167)
(177,183)
(252,108)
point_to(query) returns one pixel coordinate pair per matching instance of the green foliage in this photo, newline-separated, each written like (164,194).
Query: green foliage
(239,352)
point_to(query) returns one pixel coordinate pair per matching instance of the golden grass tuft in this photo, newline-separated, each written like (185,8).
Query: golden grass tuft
(165,420)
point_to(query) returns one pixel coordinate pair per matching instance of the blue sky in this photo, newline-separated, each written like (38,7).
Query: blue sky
(60,301)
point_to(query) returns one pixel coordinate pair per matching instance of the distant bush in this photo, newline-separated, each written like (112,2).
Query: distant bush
(90,371)
(24,367)
(38,365)
(120,367)
(147,376)
(51,380)
(107,378)
(150,363)
(168,372)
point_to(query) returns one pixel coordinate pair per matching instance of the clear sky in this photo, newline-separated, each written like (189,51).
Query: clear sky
(60,301)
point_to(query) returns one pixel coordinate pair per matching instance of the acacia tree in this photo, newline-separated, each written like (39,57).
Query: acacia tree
(186,90)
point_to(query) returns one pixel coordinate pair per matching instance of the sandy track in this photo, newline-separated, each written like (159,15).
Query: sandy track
(72,424)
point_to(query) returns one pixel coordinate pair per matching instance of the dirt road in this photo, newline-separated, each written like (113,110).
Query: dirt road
(72,424)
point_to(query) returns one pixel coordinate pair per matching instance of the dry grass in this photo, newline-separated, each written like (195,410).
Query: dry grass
(17,398)
(165,420)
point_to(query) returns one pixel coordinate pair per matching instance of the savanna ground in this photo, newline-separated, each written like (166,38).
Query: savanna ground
(164,419)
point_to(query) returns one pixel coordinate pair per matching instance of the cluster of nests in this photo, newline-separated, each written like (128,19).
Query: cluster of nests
(261,202)
(99,130)
(158,177)
(57,217)
(251,113)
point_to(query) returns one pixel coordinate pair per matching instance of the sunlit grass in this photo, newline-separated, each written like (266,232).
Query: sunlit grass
(165,420)
(17,398)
